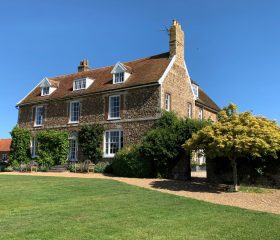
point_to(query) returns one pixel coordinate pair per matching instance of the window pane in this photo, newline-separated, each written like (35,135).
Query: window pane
(75,111)
(114,106)
(113,141)
(39,116)
(73,149)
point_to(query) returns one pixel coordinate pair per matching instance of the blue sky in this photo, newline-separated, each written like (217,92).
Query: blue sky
(232,48)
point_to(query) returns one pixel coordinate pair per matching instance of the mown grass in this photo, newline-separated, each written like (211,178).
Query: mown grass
(71,208)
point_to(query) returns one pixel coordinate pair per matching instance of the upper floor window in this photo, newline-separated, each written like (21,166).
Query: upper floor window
(82,83)
(189,109)
(48,86)
(45,91)
(119,77)
(120,73)
(113,142)
(79,84)
(114,107)
(200,113)
(195,90)
(167,101)
(74,112)
(39,116)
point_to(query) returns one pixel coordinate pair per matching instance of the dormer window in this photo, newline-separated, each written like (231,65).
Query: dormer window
(48,86)
(119,77)
(120,73)
(45,91)
(195,90)
(82,83)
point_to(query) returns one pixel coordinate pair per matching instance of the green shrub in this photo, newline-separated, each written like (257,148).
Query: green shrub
(100,167)
(90,139)
(71,167)
(163,145)
(52,147)
(20,146)
(43,168)
(128,163)
(8,169)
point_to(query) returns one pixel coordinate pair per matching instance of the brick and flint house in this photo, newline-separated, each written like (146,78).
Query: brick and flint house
(126,98)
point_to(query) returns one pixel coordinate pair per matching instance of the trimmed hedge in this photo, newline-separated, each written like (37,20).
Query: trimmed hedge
(129,163)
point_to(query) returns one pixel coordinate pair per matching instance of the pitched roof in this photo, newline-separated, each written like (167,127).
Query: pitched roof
(5,145)
(144,71)
(205,100)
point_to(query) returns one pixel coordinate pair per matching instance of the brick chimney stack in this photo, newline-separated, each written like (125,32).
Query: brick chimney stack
(84,66)
(176,42)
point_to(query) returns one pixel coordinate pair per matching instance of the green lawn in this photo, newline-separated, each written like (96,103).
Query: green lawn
(71,208)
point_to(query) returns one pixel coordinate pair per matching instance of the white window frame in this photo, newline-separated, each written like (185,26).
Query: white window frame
(33,147)
(167,101)
(195,90)
(71,140)
(45,93)
(70,112)
(119,77)
(189,109)
(39,124)
(80,84)
(109,110)
(200,113)
(108,154)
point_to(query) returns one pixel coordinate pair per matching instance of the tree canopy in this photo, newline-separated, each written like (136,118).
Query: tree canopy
(235,135)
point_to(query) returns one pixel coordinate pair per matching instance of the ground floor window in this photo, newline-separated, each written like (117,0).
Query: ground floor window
(73,148)
(4,157)
(33,147)
(113,141)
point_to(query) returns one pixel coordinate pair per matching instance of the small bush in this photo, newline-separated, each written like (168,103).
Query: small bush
(8,169)
(128,163)
(100,167)
(43,168)
(71,167)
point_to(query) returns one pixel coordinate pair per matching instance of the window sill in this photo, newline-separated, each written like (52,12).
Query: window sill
(73,122)
(110,119)
(109,156)
(38,126)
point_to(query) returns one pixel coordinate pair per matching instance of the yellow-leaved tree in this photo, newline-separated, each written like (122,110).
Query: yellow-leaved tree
(235,135)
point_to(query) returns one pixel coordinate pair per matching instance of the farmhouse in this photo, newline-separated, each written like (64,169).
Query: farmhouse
(126,98)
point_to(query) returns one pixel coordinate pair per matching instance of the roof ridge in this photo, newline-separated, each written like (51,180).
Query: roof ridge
(93,69)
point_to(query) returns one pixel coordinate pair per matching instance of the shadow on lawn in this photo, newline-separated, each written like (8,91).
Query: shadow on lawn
(196,185)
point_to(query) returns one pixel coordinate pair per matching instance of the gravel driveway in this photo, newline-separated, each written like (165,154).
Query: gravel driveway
(197,189)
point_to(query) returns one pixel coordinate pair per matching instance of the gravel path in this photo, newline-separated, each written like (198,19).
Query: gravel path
(197,189)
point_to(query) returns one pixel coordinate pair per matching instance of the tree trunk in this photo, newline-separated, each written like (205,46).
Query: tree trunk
(234,171)
(187,170)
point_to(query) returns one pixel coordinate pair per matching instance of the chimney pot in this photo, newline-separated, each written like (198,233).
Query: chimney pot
(84,66)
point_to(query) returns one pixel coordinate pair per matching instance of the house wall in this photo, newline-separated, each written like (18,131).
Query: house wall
(207,114)
(139,111)
(177,84)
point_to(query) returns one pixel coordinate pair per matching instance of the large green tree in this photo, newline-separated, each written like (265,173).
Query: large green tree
(163,144)
(235,135)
